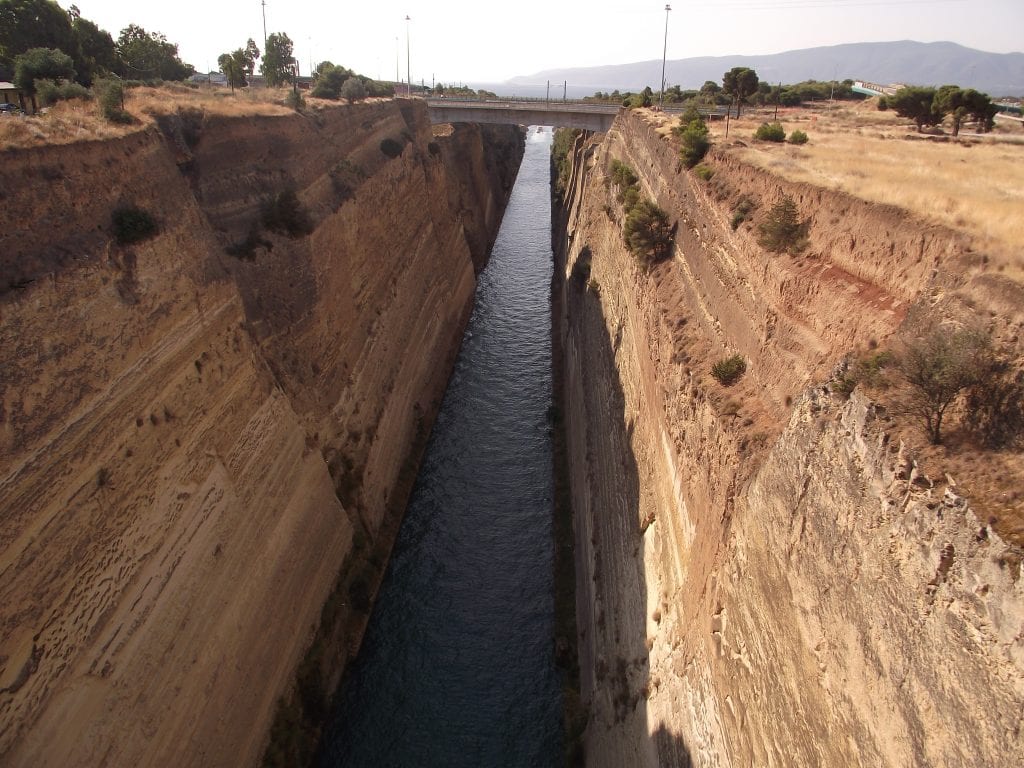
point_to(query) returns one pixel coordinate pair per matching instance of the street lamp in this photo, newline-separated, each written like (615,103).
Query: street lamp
(664,53)
(408,67)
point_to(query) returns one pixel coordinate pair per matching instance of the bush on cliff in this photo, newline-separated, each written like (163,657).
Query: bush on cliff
(391,148)
(110,95)
(623,178)
(132,225)
(284,214)
(940,367)
(694,142)
(782,229)
(728,370)
(561,146)
(648,233)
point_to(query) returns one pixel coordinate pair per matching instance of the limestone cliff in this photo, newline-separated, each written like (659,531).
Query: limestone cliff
(208,433)
(764,576)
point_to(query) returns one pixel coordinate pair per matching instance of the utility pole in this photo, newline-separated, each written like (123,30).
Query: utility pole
(664,54)
(264,4)
(778,97)
(547,97)
(565,89)
(408,66)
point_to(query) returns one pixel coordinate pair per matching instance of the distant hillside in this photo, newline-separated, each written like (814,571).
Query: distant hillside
(905,61)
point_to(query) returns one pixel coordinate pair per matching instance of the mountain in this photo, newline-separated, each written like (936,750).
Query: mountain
(904,61)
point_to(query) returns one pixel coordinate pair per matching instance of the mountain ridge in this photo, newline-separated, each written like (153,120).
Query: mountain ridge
(900,61)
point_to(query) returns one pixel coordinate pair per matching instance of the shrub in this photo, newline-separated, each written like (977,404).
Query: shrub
(629,199)
(561,146)
(783,230)
(728,370)
(869,369)
(647,233)
(797,137)
(41,64)
(285,214)
(622,177)
(940,367)
(695,143)
(743,208)
(133,225)
(246,249)
(770,132)
(50,92)
(353,90)
(295,101)
(110,94)
(704,172)
(391,148)
(995,405)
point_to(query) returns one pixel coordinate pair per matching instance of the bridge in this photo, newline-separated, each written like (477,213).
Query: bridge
(563,114)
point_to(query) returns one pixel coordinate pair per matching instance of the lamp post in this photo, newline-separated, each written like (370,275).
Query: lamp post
(664,53)
(263,4)
(408,66)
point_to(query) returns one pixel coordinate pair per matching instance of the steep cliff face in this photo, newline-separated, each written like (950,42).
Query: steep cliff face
(200,448)
(763,575)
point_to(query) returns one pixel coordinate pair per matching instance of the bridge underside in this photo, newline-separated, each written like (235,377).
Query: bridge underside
(560,118)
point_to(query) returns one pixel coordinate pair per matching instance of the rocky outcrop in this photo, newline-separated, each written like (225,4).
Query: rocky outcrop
(207,434)
(764,577)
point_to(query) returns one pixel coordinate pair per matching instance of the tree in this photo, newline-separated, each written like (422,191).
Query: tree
(693,136)
(917,104)
(41,64)
(782,229)
(278,60)
(739,82)
(252,55)
(647,233)
(329,80)
(233,65)
(353,90)
(980,108)
(939,367)
(147,55)
(98,56)
(27,24)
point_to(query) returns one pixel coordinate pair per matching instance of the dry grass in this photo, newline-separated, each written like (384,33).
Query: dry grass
(976,184)
(72,121)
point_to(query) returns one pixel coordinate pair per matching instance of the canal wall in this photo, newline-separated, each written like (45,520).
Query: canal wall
(764,573)
(208,433)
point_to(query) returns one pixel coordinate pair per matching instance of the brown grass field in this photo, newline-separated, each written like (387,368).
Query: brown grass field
(71,121)
(975,184)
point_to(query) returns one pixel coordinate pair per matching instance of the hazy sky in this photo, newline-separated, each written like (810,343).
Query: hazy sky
(476,40)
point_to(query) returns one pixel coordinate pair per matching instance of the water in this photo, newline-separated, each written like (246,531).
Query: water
(457,665)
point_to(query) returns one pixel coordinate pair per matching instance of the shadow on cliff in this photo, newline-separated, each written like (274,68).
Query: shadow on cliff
(617,618)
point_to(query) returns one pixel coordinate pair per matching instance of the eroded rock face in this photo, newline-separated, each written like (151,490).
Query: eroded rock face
(763,576)
(196,446)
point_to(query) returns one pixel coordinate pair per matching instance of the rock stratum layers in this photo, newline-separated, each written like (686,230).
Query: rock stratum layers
(764,577)
(204,455)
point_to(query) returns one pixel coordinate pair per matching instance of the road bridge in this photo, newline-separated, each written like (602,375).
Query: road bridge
(563,114)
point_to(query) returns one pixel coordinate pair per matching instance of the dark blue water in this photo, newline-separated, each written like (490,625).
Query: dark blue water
(457,665)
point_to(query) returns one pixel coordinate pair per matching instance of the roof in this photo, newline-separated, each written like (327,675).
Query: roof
(8,86)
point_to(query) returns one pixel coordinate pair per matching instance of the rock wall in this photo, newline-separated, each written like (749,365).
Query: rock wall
(200,449)
(763,575)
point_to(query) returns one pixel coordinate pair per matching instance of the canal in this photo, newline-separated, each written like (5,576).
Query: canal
(457,666)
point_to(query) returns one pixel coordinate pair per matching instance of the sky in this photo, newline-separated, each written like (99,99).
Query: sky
(453,41)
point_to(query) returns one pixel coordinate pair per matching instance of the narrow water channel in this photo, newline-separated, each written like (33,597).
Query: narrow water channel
(457,666)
